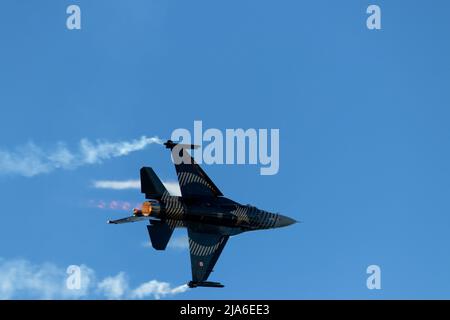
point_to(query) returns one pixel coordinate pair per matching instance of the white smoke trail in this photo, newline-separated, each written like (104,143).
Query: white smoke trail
(172,186)
(115,205)
(117,185)
(157,289)
(30,160)
(21,279)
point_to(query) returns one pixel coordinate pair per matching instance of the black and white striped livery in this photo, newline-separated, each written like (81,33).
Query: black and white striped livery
(209,217)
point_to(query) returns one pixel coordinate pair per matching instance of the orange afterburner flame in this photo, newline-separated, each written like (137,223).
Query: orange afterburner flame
(145,211)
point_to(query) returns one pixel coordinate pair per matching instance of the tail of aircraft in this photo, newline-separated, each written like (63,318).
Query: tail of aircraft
(159,231)
(151,185)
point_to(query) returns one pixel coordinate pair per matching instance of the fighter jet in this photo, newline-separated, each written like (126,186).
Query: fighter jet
(210,218)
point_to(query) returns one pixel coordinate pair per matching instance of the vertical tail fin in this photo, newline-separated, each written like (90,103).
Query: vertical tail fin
(151,185)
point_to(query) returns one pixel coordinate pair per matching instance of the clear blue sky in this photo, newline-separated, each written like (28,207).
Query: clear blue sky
(364,128)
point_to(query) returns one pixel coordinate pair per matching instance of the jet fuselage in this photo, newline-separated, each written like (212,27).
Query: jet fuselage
(216,212)
(209,217)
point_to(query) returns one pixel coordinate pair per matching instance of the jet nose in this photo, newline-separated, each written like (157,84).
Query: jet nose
(284,221)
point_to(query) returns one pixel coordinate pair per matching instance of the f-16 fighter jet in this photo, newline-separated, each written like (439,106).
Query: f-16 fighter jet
(210,218)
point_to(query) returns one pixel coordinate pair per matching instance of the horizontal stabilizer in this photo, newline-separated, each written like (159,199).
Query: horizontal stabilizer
(160,233)
(128,219)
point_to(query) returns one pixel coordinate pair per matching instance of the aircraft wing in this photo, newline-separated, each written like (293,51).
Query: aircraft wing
(193,180)
(205,249)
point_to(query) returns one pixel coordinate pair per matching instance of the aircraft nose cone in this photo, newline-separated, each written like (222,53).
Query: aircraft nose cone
(284,221)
